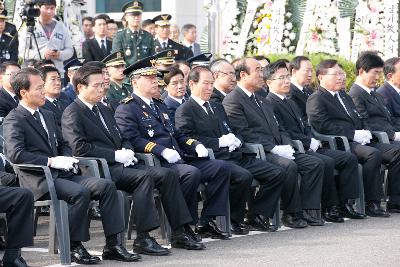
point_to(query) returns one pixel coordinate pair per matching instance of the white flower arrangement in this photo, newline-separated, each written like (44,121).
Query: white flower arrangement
(289,41)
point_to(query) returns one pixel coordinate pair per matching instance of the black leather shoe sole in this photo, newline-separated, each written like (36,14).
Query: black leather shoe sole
(151,253)
(378,214)
(85,261)
(333,219)
(109,256)
(195,246)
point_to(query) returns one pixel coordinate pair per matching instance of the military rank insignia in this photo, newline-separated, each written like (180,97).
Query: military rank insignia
(150,132)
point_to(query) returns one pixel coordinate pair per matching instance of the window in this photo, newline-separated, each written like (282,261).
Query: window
(103,6)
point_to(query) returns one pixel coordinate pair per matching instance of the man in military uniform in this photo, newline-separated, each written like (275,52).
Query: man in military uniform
(115,66)
(8,52)
(144,121)
(134,42)
(162,42)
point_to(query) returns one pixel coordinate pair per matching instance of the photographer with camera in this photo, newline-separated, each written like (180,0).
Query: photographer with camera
(49,39)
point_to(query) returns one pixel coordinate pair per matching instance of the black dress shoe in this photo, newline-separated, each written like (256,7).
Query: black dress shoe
(94,213)
(259,223)
(149,246)
(238,229)
(211,230)
(80,255)
(293,221)
(18,262)
(348,211)
(184,240)
(393,208)
(374,210)
(310,216)
(332,215)
(119,253)
(191,233)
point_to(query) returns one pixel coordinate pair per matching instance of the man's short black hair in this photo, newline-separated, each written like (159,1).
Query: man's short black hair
(44,62)
(295,64)
(241,65)
(88,18)
(111,21)
(5,64)
(270,70)
(101,16)
(45,70)
(389,66)
(194,74)
(47,3)
(172,72)
(369,60)
(147,22)
(324,65)
(261,57)
(20,81)
(81,76)
(96,64)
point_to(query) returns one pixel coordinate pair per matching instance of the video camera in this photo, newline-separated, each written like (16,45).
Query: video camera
(29,12)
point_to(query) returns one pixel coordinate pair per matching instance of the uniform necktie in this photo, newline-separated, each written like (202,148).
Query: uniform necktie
(16,99)
(56,103)
(154,109)
(103,46)
(164,44)
(208,108)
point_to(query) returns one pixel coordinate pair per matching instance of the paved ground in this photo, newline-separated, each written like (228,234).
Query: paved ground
(371,242)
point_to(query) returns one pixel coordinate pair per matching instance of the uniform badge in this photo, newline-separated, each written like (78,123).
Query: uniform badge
(176,52)
(150,132)
(7,55)
(166,116)
(145,113)
(143,106)
(128,52)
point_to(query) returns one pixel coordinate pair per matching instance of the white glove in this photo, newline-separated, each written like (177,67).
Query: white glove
(397,136)
(63,163)
(171,155)
(226,140)
(132,159)
(124,156)
(360,136)
(201,151)
(285,151)
(368,134)
(236,144)
(3,158)
(314,145)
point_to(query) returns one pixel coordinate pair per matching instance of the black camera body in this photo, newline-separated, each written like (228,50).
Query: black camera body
(30,12)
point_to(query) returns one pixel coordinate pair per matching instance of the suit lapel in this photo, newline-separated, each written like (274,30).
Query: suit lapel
(206,117)
(52,138)
(112,127)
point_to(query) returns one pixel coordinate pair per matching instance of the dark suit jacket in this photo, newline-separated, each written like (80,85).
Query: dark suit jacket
(254,124)
(193,121)
(392,101)
(27,143)
(289,116)
(300,99)
(91,50)
(63,103)
(374,114)
(7,103)
(111,105)
(329,117)
(263,92)
(217,96)
(172,105)
(181,51)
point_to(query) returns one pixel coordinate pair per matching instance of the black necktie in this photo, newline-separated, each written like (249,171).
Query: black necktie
(208,108)
(154,109)
(16,99)
(103,46)
(57,104)
(337,100)
(253,97)
(95,110)
(183,100)
(373,94)
(39,121)
(164,44)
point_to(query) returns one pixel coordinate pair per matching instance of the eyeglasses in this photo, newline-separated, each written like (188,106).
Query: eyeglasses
(232,74)
(176,83)
(97,85)
(337,74)
(281,78)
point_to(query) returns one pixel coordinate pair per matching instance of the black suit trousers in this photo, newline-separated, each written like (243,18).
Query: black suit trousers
(78,191)
(271,178)
(311,169)
(17,203)
(343,187)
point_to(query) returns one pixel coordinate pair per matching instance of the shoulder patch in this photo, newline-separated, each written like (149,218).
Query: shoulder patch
(127,99)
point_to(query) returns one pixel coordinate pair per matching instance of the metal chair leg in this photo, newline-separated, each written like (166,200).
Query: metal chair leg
(60,208)
(360,202)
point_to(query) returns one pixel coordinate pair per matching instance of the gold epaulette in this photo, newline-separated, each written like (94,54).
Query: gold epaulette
(126,99)
(190,141)
(149,147)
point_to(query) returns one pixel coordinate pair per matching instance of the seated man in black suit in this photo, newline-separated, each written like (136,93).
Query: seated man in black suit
(254,120)
(8,99)
(144,121)
(390,90)
(17,203)
(97,48)
(176,89)
(91,131)
(56,101)
(341,190)
(70,68)
(33,137)
(376,117)
(224,79)
(208,123)
(331,111)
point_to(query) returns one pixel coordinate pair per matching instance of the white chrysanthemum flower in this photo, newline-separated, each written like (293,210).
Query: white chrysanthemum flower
(286,33)
(289,26)
(292,48)
(288,14)
(292,36)
(286,42)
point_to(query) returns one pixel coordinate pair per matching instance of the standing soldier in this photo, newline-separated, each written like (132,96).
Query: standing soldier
(134,42)
(7,52)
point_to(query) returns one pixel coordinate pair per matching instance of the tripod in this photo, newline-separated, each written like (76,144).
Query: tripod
(28,42)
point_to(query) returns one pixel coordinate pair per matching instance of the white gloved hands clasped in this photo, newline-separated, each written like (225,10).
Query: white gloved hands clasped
(126,157)
(170,155)
(314,145)
(226,140)
(285,151)
(362,136)
(201,151)
(63,163)
(397,136)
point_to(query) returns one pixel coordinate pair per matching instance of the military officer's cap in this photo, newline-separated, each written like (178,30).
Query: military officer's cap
(165,57)
(202,59)
(2,16)
(160,77)
(134,8)
(143,67)
(114,59)
(162,20)
(73,64)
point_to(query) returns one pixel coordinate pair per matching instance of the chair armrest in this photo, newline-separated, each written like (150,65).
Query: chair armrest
(297,144)
(332,140)
(211,153)
(101,164)
(148,158)
(381,136)
(258,149)
(91,166)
